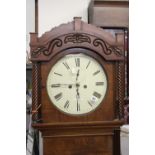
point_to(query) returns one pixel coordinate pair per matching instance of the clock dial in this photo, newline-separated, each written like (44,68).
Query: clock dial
(76,84)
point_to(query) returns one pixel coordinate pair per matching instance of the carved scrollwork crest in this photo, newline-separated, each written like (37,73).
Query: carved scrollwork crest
(54,43)
(77,38)
(107,49)
(37,52)
(47,50)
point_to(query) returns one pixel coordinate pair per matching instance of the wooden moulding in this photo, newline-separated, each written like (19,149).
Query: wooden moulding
(105,128)
(76,34)
(114,123)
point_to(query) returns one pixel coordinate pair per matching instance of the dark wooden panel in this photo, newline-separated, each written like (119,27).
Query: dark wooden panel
(109,13)
(100,138)
(78,145)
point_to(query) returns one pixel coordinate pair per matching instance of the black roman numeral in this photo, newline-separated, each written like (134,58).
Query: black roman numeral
(77,62)
(99,83)
(55,85)
(57,74)
(96,94)
(88,64)
(66,104)
(58,96)
(95,73)
(66,65)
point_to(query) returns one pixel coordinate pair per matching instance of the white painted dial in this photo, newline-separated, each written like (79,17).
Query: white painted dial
(76,84)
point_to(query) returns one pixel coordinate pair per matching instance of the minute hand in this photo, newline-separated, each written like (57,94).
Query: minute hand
(77,75)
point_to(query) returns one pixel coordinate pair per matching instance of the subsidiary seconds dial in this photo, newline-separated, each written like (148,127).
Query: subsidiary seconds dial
(76,84)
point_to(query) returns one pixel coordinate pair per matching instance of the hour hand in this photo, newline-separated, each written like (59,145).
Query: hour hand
(55,85)
(77,98)
(59,85)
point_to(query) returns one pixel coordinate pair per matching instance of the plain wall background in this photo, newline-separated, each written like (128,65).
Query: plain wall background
(55,12)
(30,20)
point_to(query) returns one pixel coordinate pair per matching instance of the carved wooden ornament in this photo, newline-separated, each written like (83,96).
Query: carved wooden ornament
(71,35)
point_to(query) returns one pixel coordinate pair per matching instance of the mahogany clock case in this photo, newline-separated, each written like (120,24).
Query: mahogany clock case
(94,133)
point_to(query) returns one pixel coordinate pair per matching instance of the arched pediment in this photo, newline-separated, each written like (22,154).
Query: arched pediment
(76,34)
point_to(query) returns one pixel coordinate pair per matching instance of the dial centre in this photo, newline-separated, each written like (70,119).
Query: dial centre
(70,86)
(77,85)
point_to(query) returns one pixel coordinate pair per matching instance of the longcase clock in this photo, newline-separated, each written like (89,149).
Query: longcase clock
(78,83)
